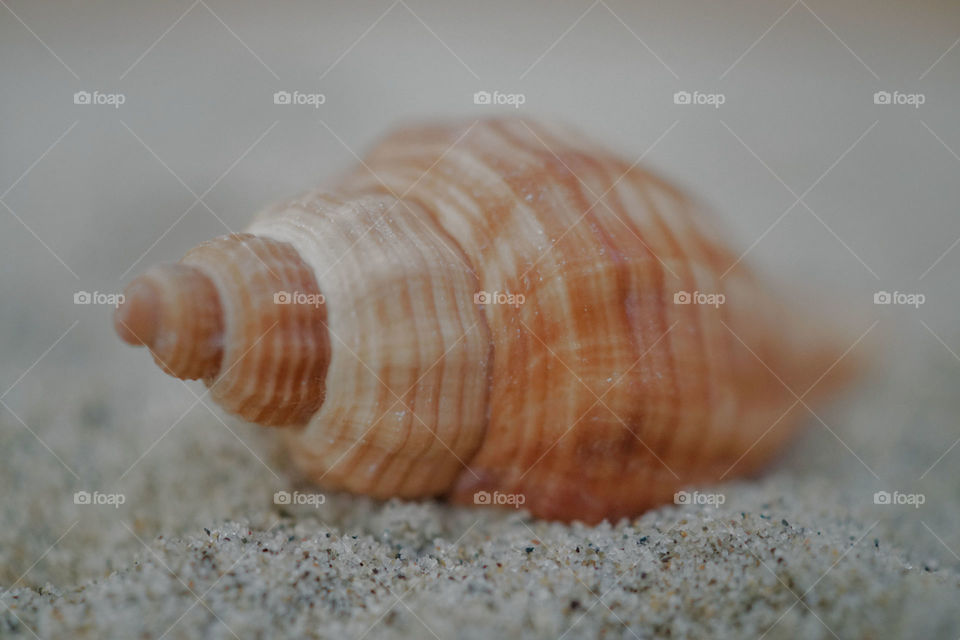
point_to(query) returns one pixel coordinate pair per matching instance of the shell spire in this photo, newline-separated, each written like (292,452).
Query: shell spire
(533,321)
(232,307)
(175,311)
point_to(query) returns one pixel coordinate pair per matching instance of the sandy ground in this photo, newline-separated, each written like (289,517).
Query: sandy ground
(198,548)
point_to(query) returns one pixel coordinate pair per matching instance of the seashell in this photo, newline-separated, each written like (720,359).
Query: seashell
(495,307)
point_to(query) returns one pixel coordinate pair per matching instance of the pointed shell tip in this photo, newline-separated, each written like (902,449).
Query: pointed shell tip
(135,319)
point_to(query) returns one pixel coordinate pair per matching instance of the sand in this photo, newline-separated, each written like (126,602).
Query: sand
(199,548)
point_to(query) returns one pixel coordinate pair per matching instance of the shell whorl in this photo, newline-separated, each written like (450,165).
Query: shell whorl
(596,397)
(230,313)
(408,383)
(174,310)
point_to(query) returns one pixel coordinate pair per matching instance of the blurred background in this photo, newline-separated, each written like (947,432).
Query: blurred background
(826,140)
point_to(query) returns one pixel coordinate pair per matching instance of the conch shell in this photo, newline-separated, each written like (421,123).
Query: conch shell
(487,311)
